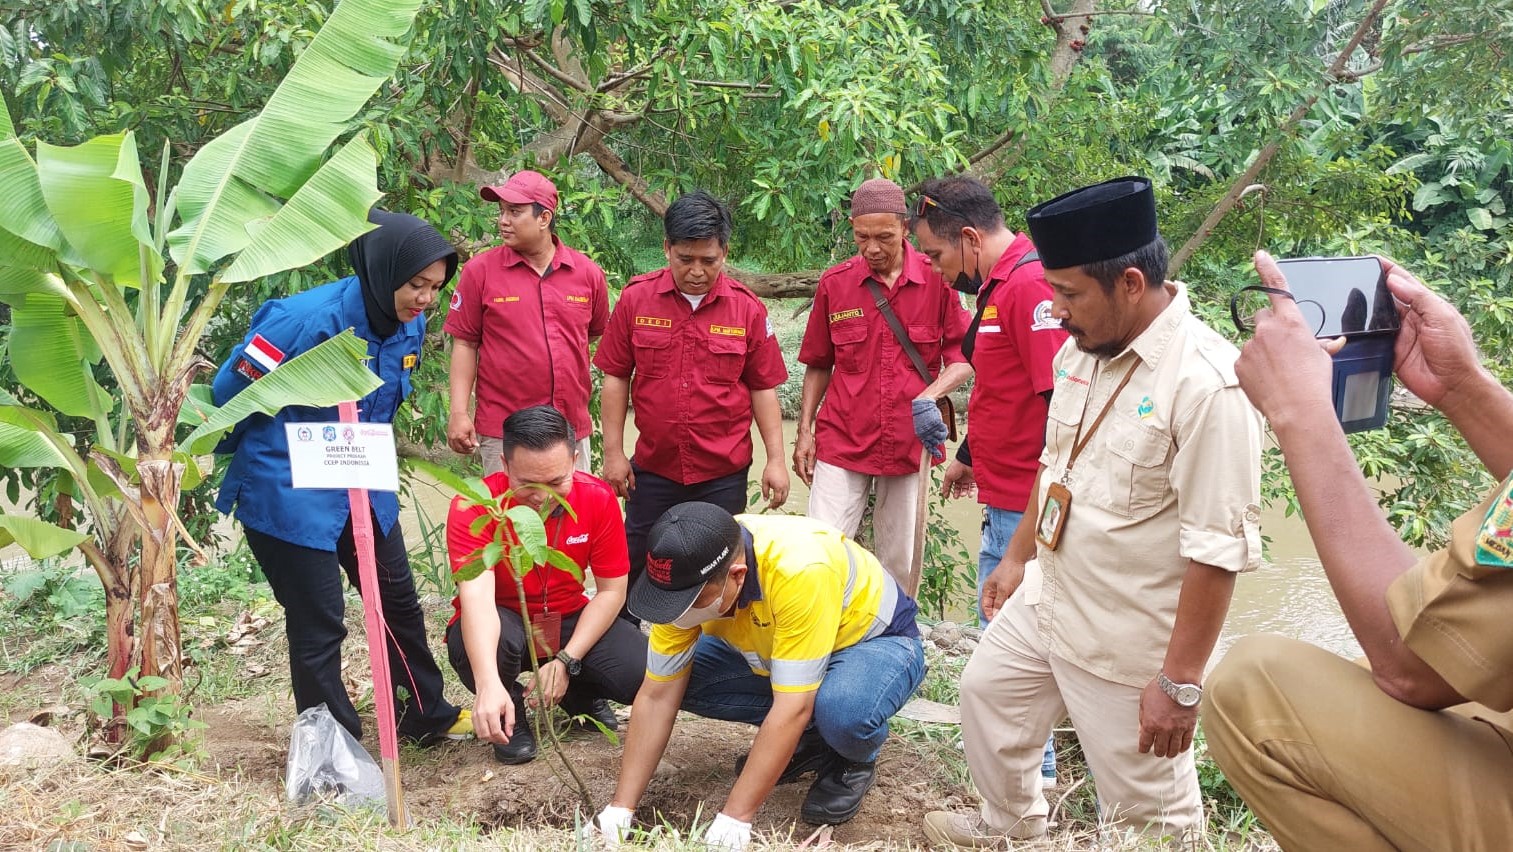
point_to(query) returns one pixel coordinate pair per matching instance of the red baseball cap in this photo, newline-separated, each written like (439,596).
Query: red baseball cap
(523,188)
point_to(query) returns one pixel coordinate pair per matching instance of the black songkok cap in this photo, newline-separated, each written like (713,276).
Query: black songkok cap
(1098,222)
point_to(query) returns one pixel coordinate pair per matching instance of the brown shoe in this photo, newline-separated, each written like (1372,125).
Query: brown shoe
(968,831)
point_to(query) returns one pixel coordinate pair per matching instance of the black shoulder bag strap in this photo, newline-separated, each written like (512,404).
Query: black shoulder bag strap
(880,299)
(969,343)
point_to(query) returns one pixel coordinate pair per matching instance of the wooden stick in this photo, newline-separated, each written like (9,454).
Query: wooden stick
(921,502)
(378,656)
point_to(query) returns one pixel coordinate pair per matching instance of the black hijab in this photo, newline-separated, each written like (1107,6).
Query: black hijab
(388,256)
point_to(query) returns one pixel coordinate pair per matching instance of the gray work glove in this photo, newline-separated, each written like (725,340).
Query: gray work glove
(930,428)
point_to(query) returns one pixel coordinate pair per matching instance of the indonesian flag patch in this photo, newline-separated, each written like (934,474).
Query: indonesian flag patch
(265,354)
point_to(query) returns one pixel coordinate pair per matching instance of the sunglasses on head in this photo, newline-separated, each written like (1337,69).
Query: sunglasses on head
(922,208)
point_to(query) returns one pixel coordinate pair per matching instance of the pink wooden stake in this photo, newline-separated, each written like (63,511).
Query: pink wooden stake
(378,655)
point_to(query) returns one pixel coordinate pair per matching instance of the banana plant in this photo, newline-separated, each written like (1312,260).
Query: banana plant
(98,273)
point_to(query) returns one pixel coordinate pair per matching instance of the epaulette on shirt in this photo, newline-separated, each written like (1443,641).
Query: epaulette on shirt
(738,287)
(839,268)
(1215,351)
(644,277)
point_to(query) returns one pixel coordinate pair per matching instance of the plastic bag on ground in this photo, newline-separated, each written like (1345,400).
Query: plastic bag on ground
(326,762)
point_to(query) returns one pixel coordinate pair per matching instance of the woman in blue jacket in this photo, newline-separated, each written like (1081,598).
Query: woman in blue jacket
(303,539)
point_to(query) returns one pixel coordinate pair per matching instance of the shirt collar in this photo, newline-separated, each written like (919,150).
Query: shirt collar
(1020,247)
(665,284)
(563,256)
(916,269)
(1152,343)
(354,310)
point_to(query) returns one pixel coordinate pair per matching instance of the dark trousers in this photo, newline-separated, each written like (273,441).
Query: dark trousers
(656,494)
(308,584)
(612,668)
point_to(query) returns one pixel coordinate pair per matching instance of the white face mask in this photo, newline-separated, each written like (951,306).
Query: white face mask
(696,616)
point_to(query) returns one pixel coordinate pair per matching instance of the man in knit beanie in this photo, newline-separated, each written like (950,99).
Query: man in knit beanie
(884,330)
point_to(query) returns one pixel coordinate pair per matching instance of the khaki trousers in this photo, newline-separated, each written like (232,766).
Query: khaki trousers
(492,450)
(1329,761)
(839,497)
(1013,692)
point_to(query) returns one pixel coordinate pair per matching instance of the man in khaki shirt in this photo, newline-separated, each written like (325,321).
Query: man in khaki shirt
(1112,592)
(1335,755)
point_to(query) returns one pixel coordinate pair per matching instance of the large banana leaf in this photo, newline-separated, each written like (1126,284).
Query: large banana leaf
(99,200)
(333,372)
(38,538)
(16,282)
(234,180)
(24,440)
(29,236)
(330,207)
(51,353)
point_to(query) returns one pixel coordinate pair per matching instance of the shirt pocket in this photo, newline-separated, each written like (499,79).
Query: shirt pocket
(727,358)
(1138,474)
(653,352)
(926,339)
(850,347)
(1061,421)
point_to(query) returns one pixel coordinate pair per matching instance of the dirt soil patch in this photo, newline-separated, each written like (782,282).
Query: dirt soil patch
(249,739)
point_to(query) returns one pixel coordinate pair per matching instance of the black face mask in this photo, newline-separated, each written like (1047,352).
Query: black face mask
(969,284)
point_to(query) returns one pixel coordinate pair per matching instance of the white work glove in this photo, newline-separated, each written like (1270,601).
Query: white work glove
(614,824)
(728,833)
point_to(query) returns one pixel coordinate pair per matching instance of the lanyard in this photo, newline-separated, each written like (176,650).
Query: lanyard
(1082,440)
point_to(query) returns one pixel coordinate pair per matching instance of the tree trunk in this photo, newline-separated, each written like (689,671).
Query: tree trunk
(159,649)
(779,285)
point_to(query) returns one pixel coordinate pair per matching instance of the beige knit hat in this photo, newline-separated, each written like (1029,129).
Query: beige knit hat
(878,195)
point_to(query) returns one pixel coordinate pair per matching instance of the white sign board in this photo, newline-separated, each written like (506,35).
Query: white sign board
(343,455)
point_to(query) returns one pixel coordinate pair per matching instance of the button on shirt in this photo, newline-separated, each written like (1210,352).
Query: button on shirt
(1172,474)
(594,540)
(1017,339)
(865,423)
(532,333)
(809,592)
(258,483)
(692,372)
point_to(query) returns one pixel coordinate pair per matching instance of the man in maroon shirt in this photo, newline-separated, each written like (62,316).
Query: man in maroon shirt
(590,653)
(694,352)
(1011,342)
(522,319)
(862,437)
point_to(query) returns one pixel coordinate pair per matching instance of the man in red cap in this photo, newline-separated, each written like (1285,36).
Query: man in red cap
(867,373)
(523,317)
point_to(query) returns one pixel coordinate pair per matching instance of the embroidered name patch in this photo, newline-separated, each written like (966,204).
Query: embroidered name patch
(410,361)
(1494,542)
(498,299)
(579,299)
(727,330)
(654,322)
(990,312)
(845,315)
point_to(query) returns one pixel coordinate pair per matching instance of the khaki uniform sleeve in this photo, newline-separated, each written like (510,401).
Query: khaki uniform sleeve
(1457,614)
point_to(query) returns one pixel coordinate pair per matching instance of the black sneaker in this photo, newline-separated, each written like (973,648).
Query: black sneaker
(521,748)
(812,754)
(837,793)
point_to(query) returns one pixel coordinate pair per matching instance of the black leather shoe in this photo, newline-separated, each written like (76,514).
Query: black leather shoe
(837,794)
(812,754)
(522,745)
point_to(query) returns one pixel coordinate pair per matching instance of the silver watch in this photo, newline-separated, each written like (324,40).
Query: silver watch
(1185,694)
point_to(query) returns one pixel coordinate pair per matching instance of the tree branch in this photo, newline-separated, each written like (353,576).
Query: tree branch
(1263,157)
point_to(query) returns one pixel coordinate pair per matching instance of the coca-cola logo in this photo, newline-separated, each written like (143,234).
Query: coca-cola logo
(660,570)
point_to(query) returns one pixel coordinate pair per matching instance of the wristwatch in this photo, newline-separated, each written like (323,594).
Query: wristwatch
(574,665)
(1185,694)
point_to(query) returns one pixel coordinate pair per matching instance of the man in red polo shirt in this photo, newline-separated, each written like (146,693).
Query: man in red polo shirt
(591,653)
(523,317)
(693,350)
(1011,342)
(863,437)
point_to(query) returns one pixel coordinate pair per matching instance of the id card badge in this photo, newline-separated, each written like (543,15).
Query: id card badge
(546,630)
(1058,501)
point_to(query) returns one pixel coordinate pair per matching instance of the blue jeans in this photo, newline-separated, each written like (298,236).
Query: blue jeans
(864,686)
(998,526)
